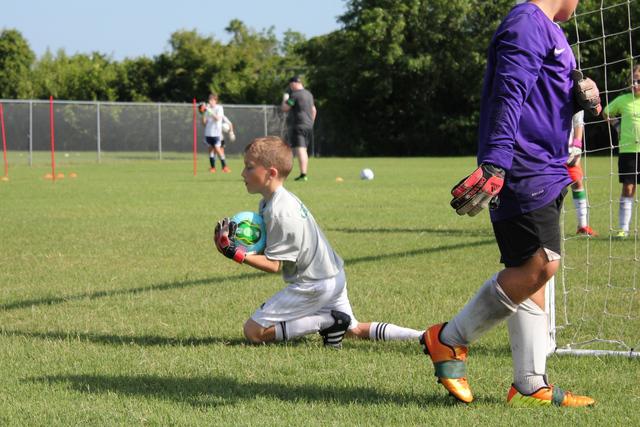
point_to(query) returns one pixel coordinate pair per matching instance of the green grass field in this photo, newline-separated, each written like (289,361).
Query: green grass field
(115,309)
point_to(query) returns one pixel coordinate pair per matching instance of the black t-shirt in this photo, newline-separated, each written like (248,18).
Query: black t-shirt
(301,115)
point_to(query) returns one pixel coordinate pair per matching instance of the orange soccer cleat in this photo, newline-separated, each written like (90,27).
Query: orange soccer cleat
(212,170)
(547,396)
(226,170)
(586,230)
(449,363)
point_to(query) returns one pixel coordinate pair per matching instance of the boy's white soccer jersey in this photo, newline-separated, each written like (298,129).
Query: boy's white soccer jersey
(294,237)
(214,127)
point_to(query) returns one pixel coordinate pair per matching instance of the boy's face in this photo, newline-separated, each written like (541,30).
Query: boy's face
(566,10)
(256,177)
(636,82)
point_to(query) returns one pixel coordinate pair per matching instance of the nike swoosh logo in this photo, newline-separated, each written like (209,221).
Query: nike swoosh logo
(558,52)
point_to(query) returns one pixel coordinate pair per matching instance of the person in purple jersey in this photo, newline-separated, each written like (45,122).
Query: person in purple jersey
(531,91)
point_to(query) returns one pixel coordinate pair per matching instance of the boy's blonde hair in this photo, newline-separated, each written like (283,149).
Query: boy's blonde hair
(271,151)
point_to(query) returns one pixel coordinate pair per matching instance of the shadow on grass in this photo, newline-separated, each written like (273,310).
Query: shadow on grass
(416,252)
(141,340)
(439,231)
(213,280)
(222,390)
(128,291)
(410,349)
(160,341)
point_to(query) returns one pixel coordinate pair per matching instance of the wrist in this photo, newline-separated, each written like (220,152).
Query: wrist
(239,255)
(577,142)
(494,169)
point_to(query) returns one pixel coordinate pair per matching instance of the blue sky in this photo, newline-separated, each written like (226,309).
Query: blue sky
(142,27)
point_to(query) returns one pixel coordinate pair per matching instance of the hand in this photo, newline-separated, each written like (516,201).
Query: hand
(223,239)
(285,97)
(232,136)
(477,190)
(574,155)
(586,92)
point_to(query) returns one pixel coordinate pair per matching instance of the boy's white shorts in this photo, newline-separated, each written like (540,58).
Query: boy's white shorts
(300,300)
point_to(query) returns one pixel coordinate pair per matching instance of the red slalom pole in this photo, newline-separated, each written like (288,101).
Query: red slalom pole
(195,138)
(4,144)
(53,140)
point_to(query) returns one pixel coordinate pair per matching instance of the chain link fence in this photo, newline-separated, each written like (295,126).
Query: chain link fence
(103,131)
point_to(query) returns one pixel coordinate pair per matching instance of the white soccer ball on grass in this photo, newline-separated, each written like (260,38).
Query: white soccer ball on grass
(366,174)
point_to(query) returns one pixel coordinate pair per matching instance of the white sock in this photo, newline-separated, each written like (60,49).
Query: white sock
(626,207)
(580,203)
(379,331)
(529,336)
(292,329)
(489,306)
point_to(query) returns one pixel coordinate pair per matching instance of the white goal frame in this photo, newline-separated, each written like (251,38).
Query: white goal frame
(575,350)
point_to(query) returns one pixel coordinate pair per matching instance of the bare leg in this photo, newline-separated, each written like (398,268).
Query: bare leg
(527,280)
(360,331)
(303,159)
(258,334)
(628,189)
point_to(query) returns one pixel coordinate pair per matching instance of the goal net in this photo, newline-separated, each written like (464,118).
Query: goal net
(594,304)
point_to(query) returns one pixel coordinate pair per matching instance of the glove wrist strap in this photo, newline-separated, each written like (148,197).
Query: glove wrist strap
(239,255)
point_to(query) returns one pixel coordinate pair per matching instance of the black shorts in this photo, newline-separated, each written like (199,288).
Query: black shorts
(214,141)
(300,137)
(520,237)
(628,167)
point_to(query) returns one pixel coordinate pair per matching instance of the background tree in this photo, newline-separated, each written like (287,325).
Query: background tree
(399,77)
(80,77)
(403,77)
(16,59)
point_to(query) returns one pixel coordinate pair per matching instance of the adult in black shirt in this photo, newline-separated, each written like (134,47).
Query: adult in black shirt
(299,103)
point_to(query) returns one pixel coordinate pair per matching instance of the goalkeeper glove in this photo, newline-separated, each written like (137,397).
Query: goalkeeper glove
(285,97)
(476,191)
(586,93)
(223,239)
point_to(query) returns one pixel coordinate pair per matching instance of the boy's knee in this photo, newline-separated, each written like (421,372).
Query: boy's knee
(547,272)
(538,271)
(543,275)
(253,332)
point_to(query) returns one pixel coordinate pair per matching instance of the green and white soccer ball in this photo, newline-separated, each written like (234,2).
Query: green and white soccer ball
(251,232)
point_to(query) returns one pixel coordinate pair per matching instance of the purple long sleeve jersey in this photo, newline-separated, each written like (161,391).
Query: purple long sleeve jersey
(527,105)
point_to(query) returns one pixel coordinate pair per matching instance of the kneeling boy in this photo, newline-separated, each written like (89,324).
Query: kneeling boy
(315,298)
